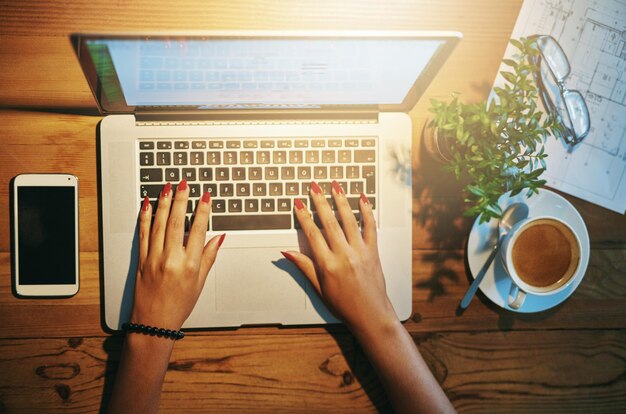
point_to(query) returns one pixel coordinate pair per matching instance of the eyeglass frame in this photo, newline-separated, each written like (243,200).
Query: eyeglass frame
(570,136)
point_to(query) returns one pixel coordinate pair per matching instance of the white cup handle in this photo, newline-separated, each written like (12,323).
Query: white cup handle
(516,297)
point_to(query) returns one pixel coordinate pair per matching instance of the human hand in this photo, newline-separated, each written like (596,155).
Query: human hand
(170,275)
(345,267)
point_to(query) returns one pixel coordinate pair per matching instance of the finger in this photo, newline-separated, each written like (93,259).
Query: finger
(197,234)
(334,235)
(209,254)
(369,222)
(314,236)
(348,221)
(144,230)
(160,220)
(176,224)
(306,266)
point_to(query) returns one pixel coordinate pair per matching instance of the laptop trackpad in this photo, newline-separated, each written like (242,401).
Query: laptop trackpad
(258,279)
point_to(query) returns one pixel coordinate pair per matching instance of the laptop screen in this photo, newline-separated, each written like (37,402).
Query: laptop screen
(257,72)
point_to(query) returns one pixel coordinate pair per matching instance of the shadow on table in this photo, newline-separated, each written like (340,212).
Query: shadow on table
(113,348)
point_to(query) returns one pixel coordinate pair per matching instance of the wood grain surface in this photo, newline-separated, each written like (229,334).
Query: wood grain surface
(55,355)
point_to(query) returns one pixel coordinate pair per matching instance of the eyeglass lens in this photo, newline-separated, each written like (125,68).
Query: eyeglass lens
(554,57)
(579,113)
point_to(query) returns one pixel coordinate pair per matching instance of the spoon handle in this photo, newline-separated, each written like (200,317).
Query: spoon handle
(479,277)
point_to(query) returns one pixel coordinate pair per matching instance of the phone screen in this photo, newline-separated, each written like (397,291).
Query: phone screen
(47,235)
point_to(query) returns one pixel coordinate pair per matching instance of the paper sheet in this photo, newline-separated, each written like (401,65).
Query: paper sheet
(593,35)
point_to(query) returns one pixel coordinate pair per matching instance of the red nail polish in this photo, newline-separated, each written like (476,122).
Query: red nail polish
(166,190)
(316,188)
(299,204)
(206,197)
(221,240)
(183,185)
(146,204)
(288,256)
(337,187)
(364,199)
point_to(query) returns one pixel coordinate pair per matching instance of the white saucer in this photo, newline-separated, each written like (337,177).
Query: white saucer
(496,283)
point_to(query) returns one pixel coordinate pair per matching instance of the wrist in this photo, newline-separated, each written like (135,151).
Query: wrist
(379,325)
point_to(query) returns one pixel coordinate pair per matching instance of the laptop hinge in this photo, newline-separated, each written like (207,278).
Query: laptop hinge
(150,117)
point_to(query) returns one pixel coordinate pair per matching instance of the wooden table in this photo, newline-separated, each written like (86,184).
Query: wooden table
(55,355)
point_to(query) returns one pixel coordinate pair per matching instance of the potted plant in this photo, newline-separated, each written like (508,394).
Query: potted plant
(497,145)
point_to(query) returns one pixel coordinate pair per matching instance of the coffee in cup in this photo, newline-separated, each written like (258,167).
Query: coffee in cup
(542,255)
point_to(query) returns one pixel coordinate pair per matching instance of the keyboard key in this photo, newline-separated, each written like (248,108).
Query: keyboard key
(180,158)
(181,144)
(198,144)
(246,157)
(230,157)
(234,206)
(334,143)
(250,144)
(287,173)
(151,174)
(267,204)
(197,158)
(239,173)
(295,157)
(205,174)
(243,190)
(326,187)
(218,206)
(213,158)
(252,222)
(271,173)
(276,189)
(150,191)
(283,204)
(216,144)
(312,157)
(189,206)
(364,155)
(194,190)
(284,143)
(263,157)
(304,173)
(368,142)
(320,173)
(189,174)
(280,157)
(370,180)
(233,144)
(306,189)
(255,173)
(336,172)
(302,143)
(318,143)
(328,157)
(345,156)
(146,158)
(164,158)
(357,187)
(259,189)
(291,188)
(251,205)
(221,174)
(267,144)
(171,174)
(210,188)
(226,190)
(164,145)
(146,145)
(352,143)
(352,171)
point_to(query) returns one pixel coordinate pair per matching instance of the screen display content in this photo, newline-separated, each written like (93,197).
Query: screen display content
(258,72)
(46,235)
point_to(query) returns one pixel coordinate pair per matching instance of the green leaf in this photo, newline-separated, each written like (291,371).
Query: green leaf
(517,44)
(509,76)
(509,62)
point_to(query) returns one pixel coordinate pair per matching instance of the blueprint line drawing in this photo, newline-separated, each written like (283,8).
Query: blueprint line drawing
(592,34)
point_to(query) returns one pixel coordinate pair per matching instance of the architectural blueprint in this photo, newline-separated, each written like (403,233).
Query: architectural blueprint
(593,35)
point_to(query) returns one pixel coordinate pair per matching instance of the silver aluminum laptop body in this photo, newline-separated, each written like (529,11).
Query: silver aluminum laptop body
(251,283)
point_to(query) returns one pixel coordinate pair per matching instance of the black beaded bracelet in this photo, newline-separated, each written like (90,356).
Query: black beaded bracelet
(153,331)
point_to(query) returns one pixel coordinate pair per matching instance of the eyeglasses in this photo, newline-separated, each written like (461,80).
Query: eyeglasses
(567,105)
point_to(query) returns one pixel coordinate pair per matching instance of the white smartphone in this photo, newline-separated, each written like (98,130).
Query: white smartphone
(45,219)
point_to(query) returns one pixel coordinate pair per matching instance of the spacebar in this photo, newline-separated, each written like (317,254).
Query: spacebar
(252,222)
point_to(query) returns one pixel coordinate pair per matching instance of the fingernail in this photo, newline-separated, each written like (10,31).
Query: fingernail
(146,204)
(206,197)
(316,188)
(183,185)
(288,256)
(166,190)
(364,199)
(221,240)
(337,187)
(299,204)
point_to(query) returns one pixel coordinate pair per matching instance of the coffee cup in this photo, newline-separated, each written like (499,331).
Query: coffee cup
(542,256)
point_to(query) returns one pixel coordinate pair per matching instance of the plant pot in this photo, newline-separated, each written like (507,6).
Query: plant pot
(436,144)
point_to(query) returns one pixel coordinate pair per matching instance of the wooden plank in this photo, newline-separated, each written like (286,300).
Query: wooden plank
(550,371)
(439,283)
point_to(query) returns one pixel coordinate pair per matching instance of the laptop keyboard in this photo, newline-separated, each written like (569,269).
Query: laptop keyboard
(253,182)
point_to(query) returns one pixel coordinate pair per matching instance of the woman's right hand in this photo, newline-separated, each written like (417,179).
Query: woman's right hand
(344,267)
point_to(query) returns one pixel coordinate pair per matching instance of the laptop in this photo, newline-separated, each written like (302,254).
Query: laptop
(253,118)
